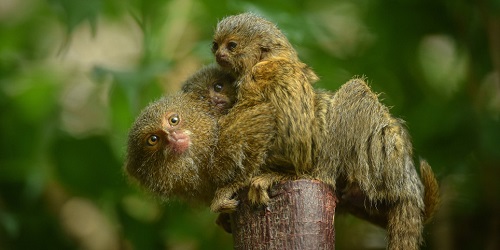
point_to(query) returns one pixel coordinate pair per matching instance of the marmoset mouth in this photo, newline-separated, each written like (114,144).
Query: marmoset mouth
(222,61)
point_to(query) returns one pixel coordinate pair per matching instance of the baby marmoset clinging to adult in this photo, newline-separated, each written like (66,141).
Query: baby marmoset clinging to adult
(172,141)
(213,85)
(352,137)
(271,124)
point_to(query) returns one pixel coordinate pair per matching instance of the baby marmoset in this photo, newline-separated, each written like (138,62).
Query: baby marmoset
(353,139)
(214,85)
(172,141)
(271,124)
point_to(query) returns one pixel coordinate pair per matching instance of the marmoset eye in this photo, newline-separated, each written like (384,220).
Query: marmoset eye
(174,119)
(215,47)
(153,140)
(218,87)
(231,45)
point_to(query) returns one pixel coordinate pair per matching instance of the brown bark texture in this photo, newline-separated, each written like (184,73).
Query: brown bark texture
(300,215)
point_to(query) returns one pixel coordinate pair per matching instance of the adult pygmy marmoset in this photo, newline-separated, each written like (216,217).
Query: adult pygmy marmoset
(172,141)
(354,143)
(366,154)
(359,148)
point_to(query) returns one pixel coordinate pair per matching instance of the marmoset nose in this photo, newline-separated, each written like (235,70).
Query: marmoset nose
(221,57)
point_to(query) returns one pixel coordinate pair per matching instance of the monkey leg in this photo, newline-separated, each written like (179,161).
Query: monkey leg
(225,200)
(260,185)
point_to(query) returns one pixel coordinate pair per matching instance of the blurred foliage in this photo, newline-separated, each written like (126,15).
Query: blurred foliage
(74,74)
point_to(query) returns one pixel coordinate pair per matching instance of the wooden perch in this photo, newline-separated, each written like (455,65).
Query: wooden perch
(300,215)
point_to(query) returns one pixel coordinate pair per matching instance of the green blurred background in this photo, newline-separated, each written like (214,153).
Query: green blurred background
(75,73)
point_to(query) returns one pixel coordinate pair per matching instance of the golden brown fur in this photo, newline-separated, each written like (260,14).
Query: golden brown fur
(215,86)
(272,122)
(347,139)
(367,155)
(159,167)
(179,168)
(357,146)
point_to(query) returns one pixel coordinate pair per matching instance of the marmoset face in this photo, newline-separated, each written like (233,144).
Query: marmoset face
(214,85)
(169,142)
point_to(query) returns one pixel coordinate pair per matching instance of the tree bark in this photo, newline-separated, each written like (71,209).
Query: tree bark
(300,215)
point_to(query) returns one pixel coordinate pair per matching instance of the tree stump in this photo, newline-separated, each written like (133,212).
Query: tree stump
(300,215)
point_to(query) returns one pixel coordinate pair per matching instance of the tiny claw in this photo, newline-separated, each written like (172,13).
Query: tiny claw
(258,196)
(226,206)
(258,191)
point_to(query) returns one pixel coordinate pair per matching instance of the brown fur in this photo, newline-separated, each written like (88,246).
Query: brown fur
(160,168)
(272,122)
(214,85)
(366,154)
(356,145)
